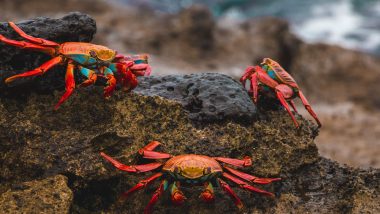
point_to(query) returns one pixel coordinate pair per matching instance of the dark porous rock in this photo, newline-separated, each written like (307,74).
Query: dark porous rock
(74,27)
(207,96)
(49,195)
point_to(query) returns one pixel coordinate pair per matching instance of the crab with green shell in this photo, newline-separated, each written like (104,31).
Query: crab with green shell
(191,169)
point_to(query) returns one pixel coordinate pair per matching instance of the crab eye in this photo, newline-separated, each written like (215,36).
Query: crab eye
(92,53)
(207,170)
(177,170)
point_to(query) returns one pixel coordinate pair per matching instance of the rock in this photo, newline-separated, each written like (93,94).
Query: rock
(49,195)
(38,143)
(206,96)
(350,75)
(72,27)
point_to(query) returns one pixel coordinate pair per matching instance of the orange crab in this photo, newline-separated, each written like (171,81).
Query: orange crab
(191,169)
(91,60)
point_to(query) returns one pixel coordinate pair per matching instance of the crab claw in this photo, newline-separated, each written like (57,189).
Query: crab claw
(178,198)
(207,196)
(111,85)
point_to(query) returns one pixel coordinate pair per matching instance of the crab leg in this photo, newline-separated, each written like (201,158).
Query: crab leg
(142,184)
(251,178)
(246,186)
(308,108)
(148,153)
(163,186)
(141,69)
(90,74)
(231,193)
(281,97)
(129,80)
(177,195)
(247,73)
(293,106)
(254,87)
(38,71)
(70,84)
(39,41)
(27,45)
(236,162)
(208,194)
(133,168)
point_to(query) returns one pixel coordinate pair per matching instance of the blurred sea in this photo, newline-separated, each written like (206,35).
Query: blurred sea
(353,24)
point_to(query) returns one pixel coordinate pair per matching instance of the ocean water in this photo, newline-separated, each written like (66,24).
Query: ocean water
(353,24)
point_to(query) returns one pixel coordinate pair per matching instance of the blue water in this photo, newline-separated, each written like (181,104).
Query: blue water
(352,24)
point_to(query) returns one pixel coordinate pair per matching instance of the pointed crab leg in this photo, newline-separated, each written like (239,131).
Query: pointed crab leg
(70,84)
(38,71)
(142,184)
(293,105)
(247,161)
(148,153)
(27,45)
(281,97)
(246,186)
(157,194)
(133,168)
(39,41)
(255,87)
(251,178)
(308,108)
(247,74)
(227,189)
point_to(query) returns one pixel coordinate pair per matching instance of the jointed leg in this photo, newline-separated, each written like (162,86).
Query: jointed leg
(251,178)
(27,45)
(90,74)
(254,87)
(163,186)
(147,151)
(177,195)
(70,84)
(133,168)
(245,185)
(231,193)
(308,108)
(142,184)
(38,71)
(39,41)
(281,97)
(247,161)
(208,194)
(293,105)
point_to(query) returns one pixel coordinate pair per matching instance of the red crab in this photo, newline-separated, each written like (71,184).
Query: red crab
(271,79)
(91,60)
(191,169)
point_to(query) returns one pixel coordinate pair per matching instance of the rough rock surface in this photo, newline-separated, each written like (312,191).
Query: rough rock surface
(38,143)
(207,96)
(50,195)
(13,60)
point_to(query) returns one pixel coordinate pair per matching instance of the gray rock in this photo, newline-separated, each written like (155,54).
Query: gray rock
(206,96)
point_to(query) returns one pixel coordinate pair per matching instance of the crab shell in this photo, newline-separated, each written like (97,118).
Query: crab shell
(192,168)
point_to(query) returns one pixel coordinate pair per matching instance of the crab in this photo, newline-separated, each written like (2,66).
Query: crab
(191,169)
(91,60)
(271,79)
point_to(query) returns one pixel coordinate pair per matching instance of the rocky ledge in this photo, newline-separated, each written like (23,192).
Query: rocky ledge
(53,156)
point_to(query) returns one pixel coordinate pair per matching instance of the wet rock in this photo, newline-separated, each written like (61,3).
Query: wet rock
(49,195)
(72,27)
(207,96)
